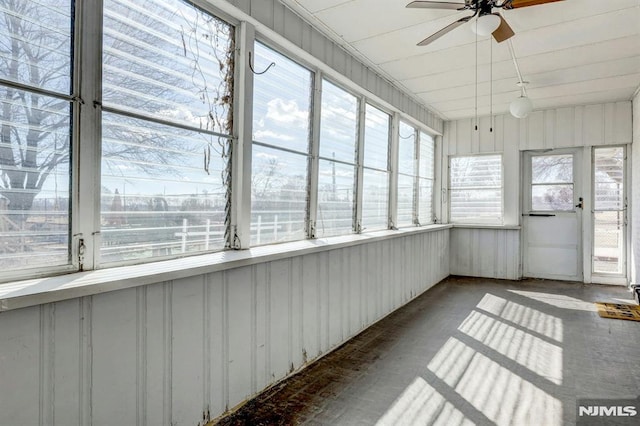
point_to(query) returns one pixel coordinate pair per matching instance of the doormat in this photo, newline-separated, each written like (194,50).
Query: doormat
(618,311)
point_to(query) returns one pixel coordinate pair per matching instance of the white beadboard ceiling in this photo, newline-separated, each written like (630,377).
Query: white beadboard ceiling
(572,52)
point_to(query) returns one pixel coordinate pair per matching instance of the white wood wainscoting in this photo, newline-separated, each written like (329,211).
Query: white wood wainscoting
(486,252)
(178,352)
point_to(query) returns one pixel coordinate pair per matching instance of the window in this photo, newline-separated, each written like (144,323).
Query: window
(280,159)
(425,179)
(375,194)
(552,182)
(167,90)
(35,125)
(406,174)
(336,176)
(609,211)
(475,189)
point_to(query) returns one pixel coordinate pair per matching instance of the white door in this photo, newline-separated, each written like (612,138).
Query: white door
(552,215)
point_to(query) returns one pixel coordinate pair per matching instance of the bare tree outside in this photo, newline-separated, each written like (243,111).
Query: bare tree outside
(163,59)
(35,52)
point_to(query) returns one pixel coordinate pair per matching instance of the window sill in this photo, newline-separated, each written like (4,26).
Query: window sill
(501,227)
(20,294)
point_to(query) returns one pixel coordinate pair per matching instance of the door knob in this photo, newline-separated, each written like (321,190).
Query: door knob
(579,205)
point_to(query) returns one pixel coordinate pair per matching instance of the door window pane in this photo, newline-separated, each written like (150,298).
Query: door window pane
(552,182)
(609,179)
(552,169)
(552,197)
(609,214)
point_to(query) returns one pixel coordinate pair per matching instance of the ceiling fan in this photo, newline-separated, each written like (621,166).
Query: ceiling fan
(488,22)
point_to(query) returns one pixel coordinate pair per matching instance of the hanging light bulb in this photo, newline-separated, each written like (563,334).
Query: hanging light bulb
(521,107)
(486,24)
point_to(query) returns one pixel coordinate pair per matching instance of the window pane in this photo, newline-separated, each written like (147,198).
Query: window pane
(376,138)
(407,149)
(426,162)
(170,60)
(405,200)
(609,178)
(338,123)
(335,199)
(476,205)
(552,169)
(608,244)
(375,200)
(425,213)
(476,172)
(552,197)
(34,180)
(281,101)
(476,189)
(158,199)
(278,196)
(35,38)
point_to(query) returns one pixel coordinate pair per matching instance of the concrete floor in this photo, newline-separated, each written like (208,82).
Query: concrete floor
(468,351)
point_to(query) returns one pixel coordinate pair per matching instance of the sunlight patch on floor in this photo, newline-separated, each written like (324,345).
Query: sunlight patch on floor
(557,300)
(535,354)
(421,404)
(524,316)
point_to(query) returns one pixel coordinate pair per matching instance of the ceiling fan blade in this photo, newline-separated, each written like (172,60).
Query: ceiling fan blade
(503,32)
(515,4)
(435,5)
(445,30)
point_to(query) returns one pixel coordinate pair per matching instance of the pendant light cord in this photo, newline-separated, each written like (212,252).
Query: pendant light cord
(476,87)
(491,84)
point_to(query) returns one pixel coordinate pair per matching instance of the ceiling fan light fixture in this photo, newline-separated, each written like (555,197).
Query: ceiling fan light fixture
(486,24)
(521,107)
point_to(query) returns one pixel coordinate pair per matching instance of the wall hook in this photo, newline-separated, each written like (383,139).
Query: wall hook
(272,64)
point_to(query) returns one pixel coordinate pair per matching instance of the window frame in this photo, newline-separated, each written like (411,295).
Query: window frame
(86,104)
(235,34)
(74,105)
(362,167)
(356,154)
(310,136)
(499,221)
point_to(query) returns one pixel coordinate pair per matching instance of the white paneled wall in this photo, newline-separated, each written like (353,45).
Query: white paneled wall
(579,126)
(487,253)
(172,352)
